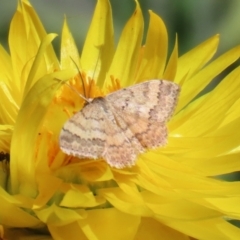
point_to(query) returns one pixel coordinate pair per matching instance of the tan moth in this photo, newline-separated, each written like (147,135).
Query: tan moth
(121,125)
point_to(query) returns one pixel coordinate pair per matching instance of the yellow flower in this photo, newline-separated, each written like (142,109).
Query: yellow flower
(171,193)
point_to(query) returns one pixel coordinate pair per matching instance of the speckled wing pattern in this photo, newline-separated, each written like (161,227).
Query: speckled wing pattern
(123,124)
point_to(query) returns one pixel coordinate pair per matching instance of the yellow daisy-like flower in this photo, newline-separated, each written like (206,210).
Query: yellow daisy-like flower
(171,193)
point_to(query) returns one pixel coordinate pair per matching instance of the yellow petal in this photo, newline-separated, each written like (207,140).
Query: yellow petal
(89,228)
(59,216)
(26,33)
(81,197)
(8,106)
(181,209)
(32,112)
(20,218)
(227,205)
(192,61)
(155,51)
(6,73)
(99,46)
(117,225)
(69,52)
(152,229)
(171,68)
(219,103)
(5,137)
(124,203)
(216,166)
(198,82)
(70,231)
(48,185)
(41,65)
(215,228)
(124,63)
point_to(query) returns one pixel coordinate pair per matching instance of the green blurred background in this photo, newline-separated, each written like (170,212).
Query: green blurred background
(193,20)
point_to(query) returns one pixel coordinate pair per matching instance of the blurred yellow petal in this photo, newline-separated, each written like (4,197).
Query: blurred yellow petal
(1,231)
(206,229)
(25,234)
(6,69)
(25,28)
(69,231)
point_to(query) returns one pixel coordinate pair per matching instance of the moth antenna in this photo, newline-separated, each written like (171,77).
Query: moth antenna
(95,69)
(80,74)
(73,89)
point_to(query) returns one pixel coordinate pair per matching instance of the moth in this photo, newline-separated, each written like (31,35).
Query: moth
(121,125)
